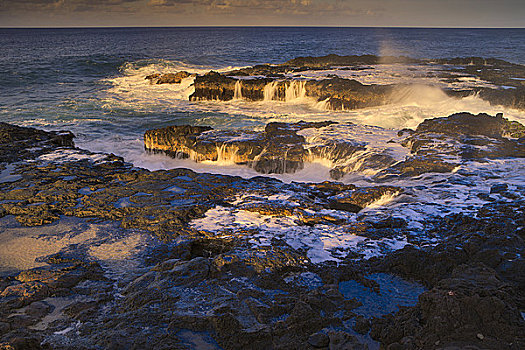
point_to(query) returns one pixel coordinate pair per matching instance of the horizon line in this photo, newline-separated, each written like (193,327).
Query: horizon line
(251,26)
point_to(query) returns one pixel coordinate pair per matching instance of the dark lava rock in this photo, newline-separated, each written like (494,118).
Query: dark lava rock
(417,165)
(38,309)
(17,143)
(36,284)
(277,150)
(344,341)
(319,340)
(473,301)
(439,144)
(498,188)
(169,78)
(213,86)
(476,280)
(470,124)
(362,325)
(345,94)
(19,295)
(340,93)
(174,139)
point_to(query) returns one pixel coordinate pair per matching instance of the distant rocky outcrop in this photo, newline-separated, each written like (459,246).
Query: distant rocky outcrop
(336,93)
(168,78)
(280,82)
(333,60)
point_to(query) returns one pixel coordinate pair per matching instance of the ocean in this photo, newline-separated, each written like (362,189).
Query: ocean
(91,80)
(117,256)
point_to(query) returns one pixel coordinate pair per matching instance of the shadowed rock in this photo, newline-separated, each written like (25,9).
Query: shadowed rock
(440,144)
(17,142)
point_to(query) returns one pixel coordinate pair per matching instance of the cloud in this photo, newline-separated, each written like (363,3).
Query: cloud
(62,5)
(202,8)
(254,6)
(171,2)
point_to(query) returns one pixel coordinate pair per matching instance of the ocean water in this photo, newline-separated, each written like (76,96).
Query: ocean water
(91,81)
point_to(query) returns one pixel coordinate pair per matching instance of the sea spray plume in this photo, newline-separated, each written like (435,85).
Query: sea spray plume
(296,90)
(390,51)
(422,95)
(271,91)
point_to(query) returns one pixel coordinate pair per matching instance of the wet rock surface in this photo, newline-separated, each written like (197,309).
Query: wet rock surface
(498,81)
(169,78)
(476,281)
(20,142)
(279,149)
(437,145)
(233,263)
(441,144)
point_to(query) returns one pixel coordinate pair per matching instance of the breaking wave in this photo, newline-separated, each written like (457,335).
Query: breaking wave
(409,105)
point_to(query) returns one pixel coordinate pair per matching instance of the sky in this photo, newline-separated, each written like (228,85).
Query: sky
(373,13)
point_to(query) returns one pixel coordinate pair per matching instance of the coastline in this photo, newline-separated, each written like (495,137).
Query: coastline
(202,279)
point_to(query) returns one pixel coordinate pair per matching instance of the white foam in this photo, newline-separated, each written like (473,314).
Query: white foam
(438,195)
(70,155)
(399,73)
(374,140)
(421,98)
(322,242)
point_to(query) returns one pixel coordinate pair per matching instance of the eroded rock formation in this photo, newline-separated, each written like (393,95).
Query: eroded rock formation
(504,82)
(438,145)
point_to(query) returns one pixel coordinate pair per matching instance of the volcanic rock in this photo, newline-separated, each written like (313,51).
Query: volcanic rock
(473,125)
(277,150)
(438,145)
(273,82)
(168,78)
(18,143)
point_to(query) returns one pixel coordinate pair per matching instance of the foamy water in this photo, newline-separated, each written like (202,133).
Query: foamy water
(420,99)
(423,197)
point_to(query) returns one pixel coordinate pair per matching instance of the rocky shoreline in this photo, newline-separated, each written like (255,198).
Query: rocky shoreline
(333,81)
(177,259)
(437,145)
